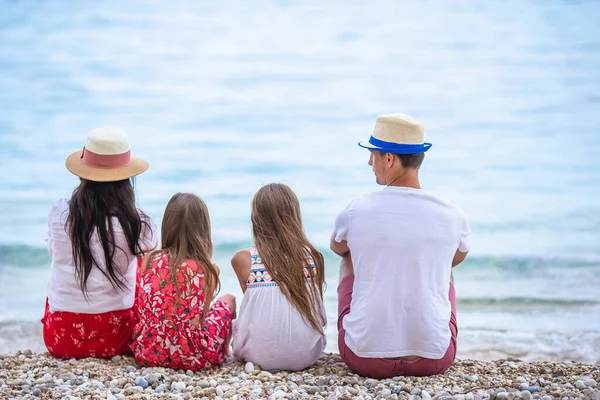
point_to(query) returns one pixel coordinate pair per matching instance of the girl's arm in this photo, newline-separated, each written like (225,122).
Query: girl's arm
(241,265)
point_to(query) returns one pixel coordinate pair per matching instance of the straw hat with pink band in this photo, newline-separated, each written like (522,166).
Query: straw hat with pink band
(106,157)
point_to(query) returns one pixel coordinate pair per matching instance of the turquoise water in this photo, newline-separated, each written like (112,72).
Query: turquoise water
(221,99)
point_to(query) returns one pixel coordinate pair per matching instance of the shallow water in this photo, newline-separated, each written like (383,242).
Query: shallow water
(222,99)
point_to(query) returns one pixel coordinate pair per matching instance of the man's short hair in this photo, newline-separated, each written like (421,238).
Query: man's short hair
(410,161)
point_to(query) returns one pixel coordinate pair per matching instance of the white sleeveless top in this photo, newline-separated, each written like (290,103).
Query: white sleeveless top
(269,330)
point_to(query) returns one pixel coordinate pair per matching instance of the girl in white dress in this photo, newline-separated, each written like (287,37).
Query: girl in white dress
(281,319)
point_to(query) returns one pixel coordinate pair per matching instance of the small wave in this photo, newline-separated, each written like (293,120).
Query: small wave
(21,335)
(525,263)
(521,301)
(23,256)
(30,256)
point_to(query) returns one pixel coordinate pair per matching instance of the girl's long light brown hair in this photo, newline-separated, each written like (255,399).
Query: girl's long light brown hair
(283,247)
(185,234)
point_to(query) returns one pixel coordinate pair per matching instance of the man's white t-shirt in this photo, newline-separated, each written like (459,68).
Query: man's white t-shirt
(402,242)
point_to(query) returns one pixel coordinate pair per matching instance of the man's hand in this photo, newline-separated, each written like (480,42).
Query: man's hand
(459,257)
(339,248)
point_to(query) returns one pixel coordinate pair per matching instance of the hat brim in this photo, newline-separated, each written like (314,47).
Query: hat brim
(77,167)
(421,149)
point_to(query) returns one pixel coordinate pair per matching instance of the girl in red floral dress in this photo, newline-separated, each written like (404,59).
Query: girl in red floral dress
(178,327)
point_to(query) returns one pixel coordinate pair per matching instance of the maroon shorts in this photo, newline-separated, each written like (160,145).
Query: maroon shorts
(381,368)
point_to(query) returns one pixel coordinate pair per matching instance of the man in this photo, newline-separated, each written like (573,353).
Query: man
(396,300)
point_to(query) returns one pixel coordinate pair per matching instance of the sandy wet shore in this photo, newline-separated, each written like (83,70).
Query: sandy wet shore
(27,375)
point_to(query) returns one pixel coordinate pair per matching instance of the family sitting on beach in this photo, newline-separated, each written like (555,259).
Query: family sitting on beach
(114,291)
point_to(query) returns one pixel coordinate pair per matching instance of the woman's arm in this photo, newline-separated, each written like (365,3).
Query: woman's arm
(241,265)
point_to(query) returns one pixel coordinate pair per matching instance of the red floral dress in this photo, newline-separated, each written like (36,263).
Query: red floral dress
(164,335)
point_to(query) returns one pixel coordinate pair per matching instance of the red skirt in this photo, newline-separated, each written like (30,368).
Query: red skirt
(74,335)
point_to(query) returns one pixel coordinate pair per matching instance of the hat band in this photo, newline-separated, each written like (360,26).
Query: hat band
(105,160)
(400,148)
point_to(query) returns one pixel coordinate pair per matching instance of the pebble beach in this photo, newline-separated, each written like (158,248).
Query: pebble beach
(27,375)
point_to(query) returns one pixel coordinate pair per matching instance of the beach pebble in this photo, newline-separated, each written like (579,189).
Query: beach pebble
(370,383)
(426,396)
(279,394)
(141,382)
(219,391)
(322,381)
(213,383)
(580,385)
(130,391)
(116,359)
(541,381)
(312,389)
(110,396)
(152,378)
(203,383)
(131,368)
(525,395)
(160,389)
(590,383)
(180,386)
(502,395)
(36,392)
(249,367)
(396,389)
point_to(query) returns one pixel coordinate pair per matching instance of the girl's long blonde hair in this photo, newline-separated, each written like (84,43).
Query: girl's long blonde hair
(284,249)
(185,234)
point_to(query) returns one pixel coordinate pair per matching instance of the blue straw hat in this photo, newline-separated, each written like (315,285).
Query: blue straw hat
(398,134)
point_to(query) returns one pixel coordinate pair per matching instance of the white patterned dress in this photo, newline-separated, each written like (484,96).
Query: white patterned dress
(270,331)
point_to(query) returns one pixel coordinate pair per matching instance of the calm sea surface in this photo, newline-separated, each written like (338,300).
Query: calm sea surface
(223,98)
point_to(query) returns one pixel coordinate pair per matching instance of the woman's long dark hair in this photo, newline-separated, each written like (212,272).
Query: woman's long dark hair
(91,210)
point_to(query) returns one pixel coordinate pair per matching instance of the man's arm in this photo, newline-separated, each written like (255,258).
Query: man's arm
(459,257)
(339,248)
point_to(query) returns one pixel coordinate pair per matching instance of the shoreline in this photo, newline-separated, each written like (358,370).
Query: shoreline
(27,375)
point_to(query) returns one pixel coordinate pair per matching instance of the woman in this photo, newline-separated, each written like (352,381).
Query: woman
(281,319)
(94,239)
